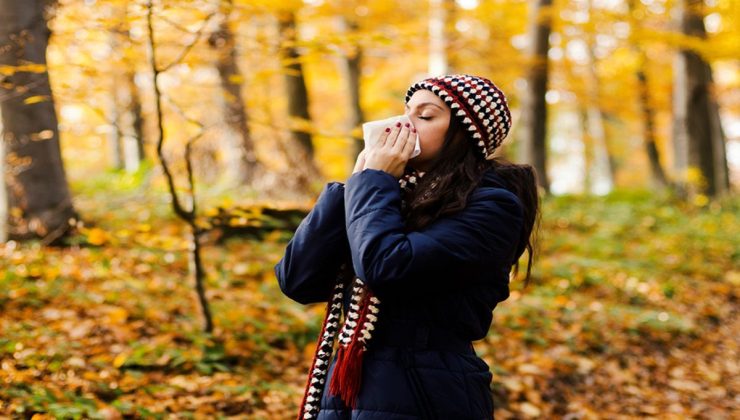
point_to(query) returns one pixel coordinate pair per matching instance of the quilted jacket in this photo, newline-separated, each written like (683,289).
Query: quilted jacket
(438,287)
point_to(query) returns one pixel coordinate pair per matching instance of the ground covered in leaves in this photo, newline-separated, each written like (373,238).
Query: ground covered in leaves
(632,313)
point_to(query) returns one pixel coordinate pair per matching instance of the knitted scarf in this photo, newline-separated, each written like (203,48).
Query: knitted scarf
(355,333)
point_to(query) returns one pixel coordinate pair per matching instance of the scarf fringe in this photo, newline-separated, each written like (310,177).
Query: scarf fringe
(334,385)
(347,375)
(350,374)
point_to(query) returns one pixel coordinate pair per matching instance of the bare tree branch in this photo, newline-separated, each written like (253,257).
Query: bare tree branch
(198,34)
(187,215)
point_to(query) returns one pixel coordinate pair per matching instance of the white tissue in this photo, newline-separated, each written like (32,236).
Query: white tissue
(372,130)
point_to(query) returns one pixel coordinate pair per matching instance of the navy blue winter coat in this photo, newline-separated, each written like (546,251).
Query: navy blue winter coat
(437,286)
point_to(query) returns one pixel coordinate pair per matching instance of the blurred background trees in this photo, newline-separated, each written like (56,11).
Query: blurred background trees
(604,94)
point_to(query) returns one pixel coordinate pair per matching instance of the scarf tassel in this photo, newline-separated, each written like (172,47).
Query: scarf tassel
(347,376)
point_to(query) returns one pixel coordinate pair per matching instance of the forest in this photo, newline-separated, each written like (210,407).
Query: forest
(158,155)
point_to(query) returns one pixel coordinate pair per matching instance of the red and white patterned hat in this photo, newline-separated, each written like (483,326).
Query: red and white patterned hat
(476,102)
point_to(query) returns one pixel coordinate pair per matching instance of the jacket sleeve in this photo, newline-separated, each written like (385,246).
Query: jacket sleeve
(483,236)
(307,271)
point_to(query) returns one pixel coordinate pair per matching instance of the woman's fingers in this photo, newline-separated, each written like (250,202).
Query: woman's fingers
(408,145)
(393,141)
(402,139)
(383,138)
(389,137)
(360,163)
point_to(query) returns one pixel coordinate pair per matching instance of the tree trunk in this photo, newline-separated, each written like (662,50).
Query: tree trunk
(648,123)
(38,196)
(658,175)
(135,152)
(126,113)
(698,137)
(721,169)
(297,99)
(453,65)
(294,80)
(137,121)
(603,159)
(3,192)
(114,135)
(352,74)
(245,163)
(437,65)
(588,151)
(534,109)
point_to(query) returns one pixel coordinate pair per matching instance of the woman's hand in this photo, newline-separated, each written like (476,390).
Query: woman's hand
(360,163)
(392,150)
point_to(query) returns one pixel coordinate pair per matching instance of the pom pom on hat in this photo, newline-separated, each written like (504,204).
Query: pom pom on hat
(478,104)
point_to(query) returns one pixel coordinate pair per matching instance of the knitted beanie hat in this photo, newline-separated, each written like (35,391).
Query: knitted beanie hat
(476,102)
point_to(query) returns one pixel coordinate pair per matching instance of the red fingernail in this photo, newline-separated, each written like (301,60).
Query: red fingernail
(398,124)
(407,124)
(413,130)
(388,129)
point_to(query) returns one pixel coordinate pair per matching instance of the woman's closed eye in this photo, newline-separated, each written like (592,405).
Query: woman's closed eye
(425,118)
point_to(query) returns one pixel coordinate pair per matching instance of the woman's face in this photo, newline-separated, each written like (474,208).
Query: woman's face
(431,117)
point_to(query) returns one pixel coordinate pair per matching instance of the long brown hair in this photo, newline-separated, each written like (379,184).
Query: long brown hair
(456,172)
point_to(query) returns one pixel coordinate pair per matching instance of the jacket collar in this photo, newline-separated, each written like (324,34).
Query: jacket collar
(491,179)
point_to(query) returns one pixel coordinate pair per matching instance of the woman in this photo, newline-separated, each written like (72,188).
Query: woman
(416,253)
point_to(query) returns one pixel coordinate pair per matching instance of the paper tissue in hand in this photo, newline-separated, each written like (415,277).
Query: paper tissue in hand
(372,130)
